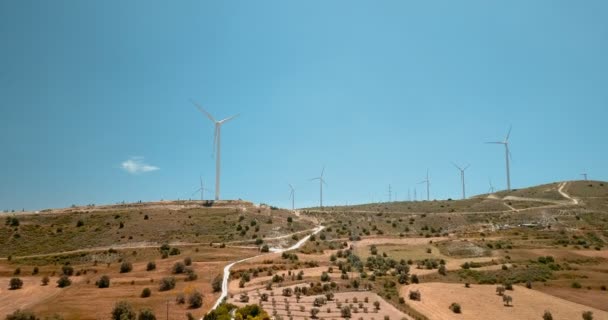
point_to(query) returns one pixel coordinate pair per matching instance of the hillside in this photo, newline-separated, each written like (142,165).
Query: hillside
(141,225)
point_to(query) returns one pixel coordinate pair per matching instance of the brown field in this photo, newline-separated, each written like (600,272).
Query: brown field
(482,302)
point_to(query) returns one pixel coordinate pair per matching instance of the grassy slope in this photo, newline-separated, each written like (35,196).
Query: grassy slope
(56,232)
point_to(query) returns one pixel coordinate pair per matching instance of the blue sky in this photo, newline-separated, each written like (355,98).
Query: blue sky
(377,92)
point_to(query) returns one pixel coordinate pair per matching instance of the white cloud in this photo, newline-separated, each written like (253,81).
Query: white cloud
(136,165)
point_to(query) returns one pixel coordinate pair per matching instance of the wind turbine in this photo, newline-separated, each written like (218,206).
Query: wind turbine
(428,182)
(507,156)
(216,145)
(390,193)
(202,189)
(584,176)
(292,197)
(321,182)
(491,190)
(462,177)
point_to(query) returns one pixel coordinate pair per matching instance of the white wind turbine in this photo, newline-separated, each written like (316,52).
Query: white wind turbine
(216,145)
(462,170)
(292,196)
(321,182)
(584,176)
(491,190)
(428,183)
(202,189)
(507,156)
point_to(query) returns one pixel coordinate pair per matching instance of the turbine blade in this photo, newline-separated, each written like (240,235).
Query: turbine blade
(195,192)
(496,142)
(229,118)
(455,165)
(322,171)
(203,111)
(313,179)
(508,134)
(465,168)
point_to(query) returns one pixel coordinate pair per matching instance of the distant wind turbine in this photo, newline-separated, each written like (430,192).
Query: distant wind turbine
(415,197)
(491,190)
(202,189)
(507,156)
(216,145)
(390,194)
(292,196)
(321,183)
(584,176)
(462,170)
(428,183)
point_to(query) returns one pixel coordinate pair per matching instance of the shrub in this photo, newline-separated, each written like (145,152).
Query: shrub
(45,280)
(415,279)
(35,271)
(415,295)
(167,284)
(547,315)
(126,267)
(80,223)
(123,311)
(455,307)
(377,305)
(180,298)
(587,315)
(17,272)
(345,312)
(146,292)
(21,315)
(325,277)
(195,300)
(188,261)
(174,251)
(103,282)
(442,270)
(151,266)
(191,275)
(217,284)
(146,314)
(576,285)
(265,248)
(178,268)
(67,270)
(314,312)
(64,281)
(15,284)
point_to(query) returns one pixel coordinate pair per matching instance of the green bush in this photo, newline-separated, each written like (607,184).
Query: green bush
(146,292)
(195,300)
(64,281)
(123,311)
(151,266)
(103,282)
(167,283)
(126,267)
(146,314)
(21,315)
(15,284)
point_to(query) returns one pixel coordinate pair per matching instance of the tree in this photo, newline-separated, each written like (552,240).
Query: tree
(167,284)
(442,271)
(455,307)
(21,315)
(178,268)
(103,282)
(126,267)
(587,315)
(314,312)
(345,312)
(195,300)
(547,315)
(64,281)
(146,292)
(217,284)
(500,290)
(15,284)
(123,311)
(151,266)
(146,314)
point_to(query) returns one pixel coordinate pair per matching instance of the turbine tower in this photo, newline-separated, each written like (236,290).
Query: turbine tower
(390,193)
(507,156)
(321,182)
(428,183)
(292,196)
(462,177)
(584,176)
(216,145)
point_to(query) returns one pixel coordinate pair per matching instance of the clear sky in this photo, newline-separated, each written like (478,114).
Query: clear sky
(94,97)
